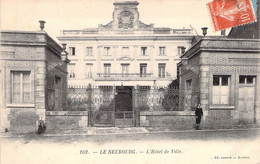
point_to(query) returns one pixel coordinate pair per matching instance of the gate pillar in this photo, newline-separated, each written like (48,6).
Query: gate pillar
(135,106)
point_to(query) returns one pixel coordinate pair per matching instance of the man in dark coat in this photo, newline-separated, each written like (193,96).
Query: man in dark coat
(41,127)
(198,114)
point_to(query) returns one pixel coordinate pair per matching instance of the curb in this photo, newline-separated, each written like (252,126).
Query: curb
(151,132)
(147,132)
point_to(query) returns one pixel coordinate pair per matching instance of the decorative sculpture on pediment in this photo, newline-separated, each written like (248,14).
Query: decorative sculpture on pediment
(142,25)
(126,20)
(107,26)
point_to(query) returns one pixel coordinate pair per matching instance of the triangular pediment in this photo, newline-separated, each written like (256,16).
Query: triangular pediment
(125,58)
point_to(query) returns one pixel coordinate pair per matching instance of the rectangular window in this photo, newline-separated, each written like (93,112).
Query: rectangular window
(181,50)
(143,69)
(71,70)
(125,51)
(143,51)
(162,51)
(20,86)
(247,80)
(58,81)
(89,51)
(221,85)
(188,84)
(161,70)
(106,51)
(88,73)
(107,69)
(125,68)
(72,51)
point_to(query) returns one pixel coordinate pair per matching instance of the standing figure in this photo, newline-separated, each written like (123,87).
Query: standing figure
(198,114)
(41,127)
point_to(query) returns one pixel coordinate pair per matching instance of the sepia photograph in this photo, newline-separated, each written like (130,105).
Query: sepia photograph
(130,81)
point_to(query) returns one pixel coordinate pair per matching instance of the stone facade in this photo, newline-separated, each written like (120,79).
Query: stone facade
(227,72)
(125,51)
(30,64)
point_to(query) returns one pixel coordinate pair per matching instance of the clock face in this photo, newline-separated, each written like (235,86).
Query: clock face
(125,20)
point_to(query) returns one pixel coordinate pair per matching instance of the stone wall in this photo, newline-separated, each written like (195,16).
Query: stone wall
(185,120)
(220,118)
(170,119)
(23,120)
(56,120)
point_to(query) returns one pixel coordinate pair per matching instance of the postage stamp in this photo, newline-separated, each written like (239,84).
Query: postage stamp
(229,13)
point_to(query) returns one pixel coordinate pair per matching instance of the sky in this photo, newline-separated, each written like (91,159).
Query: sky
(79,14)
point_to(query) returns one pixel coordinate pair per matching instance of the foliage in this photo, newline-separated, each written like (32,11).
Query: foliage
(171,100)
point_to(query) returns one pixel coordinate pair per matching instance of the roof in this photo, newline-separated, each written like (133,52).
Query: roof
(223,44)
(245,31)
(29,38)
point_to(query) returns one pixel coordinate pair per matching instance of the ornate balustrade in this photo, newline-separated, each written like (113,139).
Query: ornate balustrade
(111,75)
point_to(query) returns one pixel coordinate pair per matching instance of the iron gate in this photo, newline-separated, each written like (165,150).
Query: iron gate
(104,110)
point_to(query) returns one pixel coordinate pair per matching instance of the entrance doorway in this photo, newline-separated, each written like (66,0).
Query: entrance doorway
(246,99)
(124,114)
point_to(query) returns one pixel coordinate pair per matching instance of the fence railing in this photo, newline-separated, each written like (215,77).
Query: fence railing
(143,99)
(124,114)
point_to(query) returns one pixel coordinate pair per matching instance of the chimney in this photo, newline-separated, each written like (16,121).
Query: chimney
(64,53)
(42,24)
(223,32)
(204,30)
(64,46)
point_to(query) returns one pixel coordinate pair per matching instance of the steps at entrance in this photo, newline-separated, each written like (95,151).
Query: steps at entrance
(124,122)
(102,125)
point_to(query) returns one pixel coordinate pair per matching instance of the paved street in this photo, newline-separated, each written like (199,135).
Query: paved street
(219,146)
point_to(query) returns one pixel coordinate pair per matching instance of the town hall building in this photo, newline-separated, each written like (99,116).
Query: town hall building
(125,51)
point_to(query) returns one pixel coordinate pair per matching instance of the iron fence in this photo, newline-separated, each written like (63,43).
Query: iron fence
(104,99)
(165,99)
